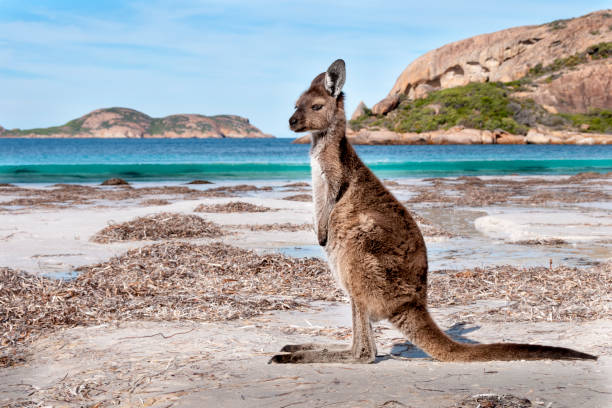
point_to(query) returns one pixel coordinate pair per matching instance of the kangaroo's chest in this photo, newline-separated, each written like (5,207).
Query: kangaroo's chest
(321,200)
(318,179)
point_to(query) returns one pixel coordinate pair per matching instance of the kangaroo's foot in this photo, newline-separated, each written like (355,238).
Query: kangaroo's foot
(362,351)
(323,356)
(290,348)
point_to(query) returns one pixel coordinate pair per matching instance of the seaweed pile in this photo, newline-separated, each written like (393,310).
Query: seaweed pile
(159,226)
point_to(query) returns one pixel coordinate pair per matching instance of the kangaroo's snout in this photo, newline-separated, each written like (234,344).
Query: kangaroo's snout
(296,122)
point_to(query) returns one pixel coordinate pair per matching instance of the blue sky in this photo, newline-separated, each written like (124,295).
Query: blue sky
(62,59)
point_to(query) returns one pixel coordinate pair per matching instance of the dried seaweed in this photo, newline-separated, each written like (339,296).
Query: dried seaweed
(298,184)
(65,195)
(534,294)
(182,281)
(587,176)
(476,192)
(165,281)
(239,188)
(299,197)
(232,207)
(287,227)
(493,401)
(200,182)
(542,242)
(429,229)
(159,226)
(155,201)
(114,182)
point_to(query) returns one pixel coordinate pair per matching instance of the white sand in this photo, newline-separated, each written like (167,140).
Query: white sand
(57,241)
(224,364)
(517,224)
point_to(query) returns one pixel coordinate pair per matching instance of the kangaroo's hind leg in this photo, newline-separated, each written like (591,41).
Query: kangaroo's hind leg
(290,348)
(363,349)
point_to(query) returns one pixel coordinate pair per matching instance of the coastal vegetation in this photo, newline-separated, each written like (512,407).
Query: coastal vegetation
(493,105)
(599,51)
(477,105)
(486,106)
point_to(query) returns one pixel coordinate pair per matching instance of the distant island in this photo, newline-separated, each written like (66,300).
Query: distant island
(544,84)
(112,123)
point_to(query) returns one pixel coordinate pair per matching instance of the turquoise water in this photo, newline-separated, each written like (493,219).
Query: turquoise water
(91,160)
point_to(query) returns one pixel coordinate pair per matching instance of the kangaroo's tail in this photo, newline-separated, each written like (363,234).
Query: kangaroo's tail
(416,323)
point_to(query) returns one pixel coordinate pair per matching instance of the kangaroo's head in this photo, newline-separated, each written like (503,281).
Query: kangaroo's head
(316,108)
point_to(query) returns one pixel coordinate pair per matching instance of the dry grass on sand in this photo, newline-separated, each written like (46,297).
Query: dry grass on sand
(299,197)
(200,182)
(164,281)
(155,201)
(159,226)
(286,227)
(183,281)
(67,195)
(238,188)
(232,207)
(298,184)
(477,192)
(493,401)
(115,182)
(536,294)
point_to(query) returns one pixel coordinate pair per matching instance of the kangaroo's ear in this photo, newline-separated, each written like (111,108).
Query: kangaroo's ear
(334,78)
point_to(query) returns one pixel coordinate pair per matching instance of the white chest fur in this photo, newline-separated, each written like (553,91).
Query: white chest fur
(319,183)
(318,178)
(320,197)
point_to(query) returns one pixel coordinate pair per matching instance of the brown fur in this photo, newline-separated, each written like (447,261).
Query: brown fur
(374,246)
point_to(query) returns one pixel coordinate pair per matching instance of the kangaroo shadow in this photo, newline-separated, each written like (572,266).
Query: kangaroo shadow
(409,350)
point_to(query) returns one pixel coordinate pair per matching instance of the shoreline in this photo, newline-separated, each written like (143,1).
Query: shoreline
(459,135)
(491,219)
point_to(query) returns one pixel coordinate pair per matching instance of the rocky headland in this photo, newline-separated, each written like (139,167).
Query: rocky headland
(550,83)
(112,123)
(463,135)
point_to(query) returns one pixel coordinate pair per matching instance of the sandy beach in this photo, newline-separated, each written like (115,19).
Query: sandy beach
(178,294)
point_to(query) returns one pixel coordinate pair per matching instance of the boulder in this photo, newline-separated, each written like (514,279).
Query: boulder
(503,137)
(536,136)
(584,141)
(435,107)
(304,139)
(579,89)
(461,135)
(386,105)
(415,138)
(509,54)
(375,137)
(359,111)
(421,91)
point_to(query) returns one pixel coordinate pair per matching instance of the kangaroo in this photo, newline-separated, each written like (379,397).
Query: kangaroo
(375,249)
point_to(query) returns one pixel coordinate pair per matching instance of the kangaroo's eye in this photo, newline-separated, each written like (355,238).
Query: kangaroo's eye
(317,107)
